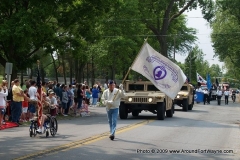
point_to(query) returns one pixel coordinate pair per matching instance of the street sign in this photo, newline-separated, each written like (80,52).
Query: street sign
(8,68)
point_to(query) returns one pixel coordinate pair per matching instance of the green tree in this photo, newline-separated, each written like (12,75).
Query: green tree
(161,17)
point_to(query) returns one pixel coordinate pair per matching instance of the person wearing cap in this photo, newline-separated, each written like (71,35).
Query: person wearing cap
(111,98)
(18,97)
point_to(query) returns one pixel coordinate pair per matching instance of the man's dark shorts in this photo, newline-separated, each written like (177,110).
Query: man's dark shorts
(2,111)
(64,105)
(32,108)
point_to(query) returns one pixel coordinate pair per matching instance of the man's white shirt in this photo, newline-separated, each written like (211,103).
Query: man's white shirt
(219,93)
(108,96)
(226,93)
(32,91)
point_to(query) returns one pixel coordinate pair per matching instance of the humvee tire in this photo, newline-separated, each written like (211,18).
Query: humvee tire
(185,105)
(160,110)
(170,112)
(135,113)
(123,114)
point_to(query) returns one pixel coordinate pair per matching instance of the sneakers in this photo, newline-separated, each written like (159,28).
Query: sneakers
(39,130)
(112,137)
(65,115)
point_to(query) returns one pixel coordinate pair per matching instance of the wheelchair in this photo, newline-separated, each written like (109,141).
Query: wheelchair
(50,124)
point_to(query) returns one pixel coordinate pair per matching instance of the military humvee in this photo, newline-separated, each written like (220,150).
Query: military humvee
(185,97)
(143,95)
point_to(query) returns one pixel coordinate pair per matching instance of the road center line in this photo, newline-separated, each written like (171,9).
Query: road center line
(82,142)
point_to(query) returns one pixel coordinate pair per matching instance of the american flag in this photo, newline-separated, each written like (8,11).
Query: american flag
(39,96)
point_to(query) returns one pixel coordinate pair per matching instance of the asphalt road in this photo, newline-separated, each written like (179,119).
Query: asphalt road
(202,133)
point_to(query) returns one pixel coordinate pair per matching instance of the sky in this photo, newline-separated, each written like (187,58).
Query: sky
(196,20)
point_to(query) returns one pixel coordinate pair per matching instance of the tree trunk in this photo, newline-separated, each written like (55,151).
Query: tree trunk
(71,69)
(55,68)
(93,75)
(87,75)
(22,77)
(64,70)
(164,48)
(42,74)
(76,70)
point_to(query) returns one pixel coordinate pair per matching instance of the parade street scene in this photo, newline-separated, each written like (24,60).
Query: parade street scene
(103,80)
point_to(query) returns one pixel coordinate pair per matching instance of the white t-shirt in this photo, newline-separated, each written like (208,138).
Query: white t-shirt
(105,86)
(219,93)
(226,93)
(32,92)
(205,91)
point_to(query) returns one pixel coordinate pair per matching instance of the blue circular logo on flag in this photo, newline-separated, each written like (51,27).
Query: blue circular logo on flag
(159,72)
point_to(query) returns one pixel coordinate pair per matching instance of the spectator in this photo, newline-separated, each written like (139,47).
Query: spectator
(52,103)
(9,101)
(95,92)
(105,85)
(79,97)
(44,87)
(74,82)
(57,90)
(84,110)
(25,105)
(32,92)
(88,95)
(75,99)
(70,95)
(18,97)
(100,91)
(64,100)
(3,94)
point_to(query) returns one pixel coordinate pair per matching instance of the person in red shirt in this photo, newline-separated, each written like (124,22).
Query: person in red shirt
(25,105)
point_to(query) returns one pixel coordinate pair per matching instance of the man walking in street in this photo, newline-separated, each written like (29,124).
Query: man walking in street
(111,98)
(226,93)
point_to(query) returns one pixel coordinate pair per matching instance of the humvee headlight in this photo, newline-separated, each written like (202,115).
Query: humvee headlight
(150,99)
(130,99)
(178,96)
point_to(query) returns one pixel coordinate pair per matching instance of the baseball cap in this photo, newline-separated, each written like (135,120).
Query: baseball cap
(51,92)
(111,82)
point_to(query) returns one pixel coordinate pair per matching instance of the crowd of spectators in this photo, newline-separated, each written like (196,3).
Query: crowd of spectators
(58,99)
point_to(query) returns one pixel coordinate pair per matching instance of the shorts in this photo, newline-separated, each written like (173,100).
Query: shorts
(32,108)
(64,105)
(75,100)
(2,111)
(24,109)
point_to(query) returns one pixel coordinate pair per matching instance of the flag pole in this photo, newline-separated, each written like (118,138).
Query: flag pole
(145,41)
(39,95)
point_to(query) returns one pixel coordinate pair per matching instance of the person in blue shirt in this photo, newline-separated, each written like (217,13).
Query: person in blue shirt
(95,92)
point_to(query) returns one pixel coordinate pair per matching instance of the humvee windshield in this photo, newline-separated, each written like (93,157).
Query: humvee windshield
(136,87)
(152,88)
(184,88)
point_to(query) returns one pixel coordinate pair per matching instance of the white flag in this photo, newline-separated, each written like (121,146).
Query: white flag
(200,79)
(162,72)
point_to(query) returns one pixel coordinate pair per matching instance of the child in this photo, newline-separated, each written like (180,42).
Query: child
(84,110)
(25,105)
(3,94)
